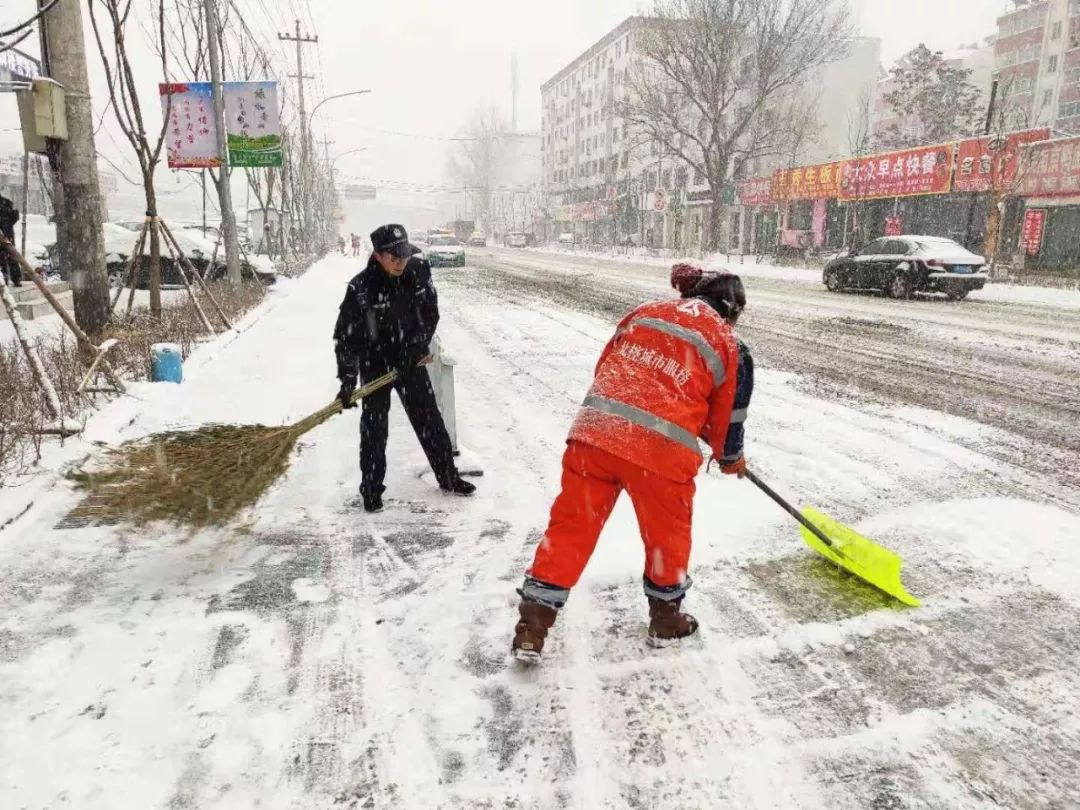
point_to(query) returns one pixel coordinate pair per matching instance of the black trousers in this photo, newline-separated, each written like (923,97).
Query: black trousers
(8,266)
(418,398)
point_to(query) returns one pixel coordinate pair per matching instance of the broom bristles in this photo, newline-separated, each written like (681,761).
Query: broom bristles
(205,476)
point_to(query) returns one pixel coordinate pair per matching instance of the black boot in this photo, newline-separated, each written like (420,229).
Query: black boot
(459,486)
(372,502)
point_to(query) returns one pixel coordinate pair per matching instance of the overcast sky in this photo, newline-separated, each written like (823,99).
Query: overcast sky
(429,62)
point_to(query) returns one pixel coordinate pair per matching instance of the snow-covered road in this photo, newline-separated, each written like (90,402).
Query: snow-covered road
(316,657)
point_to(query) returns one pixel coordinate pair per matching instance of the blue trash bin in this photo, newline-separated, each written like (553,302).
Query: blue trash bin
(166,363)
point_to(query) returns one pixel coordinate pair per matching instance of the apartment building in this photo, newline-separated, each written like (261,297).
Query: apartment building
(1037,60)
(583,143)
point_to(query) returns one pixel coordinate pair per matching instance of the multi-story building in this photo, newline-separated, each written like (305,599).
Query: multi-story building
(583,142)
(603,185)
(1037,59)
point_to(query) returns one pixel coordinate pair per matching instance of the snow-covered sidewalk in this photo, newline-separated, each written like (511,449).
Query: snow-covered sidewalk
(316,657)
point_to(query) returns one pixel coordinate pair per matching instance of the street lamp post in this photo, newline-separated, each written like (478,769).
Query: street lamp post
(305,153)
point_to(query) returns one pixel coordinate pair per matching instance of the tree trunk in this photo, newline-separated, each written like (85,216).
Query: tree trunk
(712,233)
(155,248)
(993,228)
(80,239)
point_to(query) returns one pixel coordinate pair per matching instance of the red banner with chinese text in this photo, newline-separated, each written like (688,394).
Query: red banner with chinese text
(907,173)
(820,182)
(1034,224)
(989,163)
(755,191)
(1050,169)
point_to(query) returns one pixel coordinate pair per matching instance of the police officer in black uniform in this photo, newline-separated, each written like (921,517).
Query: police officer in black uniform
(9,215)
(386,323)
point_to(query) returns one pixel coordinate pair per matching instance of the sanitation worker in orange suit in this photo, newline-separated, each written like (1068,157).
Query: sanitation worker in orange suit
(673,373)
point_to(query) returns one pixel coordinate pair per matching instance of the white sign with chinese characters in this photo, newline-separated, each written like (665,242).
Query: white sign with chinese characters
(191,136)
(253,124)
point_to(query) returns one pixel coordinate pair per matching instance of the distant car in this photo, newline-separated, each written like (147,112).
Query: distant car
(902,265)
(516,239)
(566,239)
(445,250)
(477,239)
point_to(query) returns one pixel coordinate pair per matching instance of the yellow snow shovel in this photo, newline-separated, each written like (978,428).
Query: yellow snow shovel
(845,547)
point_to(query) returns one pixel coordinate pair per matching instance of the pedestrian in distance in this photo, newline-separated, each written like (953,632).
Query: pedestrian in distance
(674,372)
(341,244)
(356,244)
(9,215)
(386,323)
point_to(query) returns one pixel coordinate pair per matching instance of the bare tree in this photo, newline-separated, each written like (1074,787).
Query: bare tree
(860,138)
(480,157)
(1008,169)
(711,73)
(112,44)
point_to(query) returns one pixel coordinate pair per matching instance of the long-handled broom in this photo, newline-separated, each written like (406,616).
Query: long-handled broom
(204,476)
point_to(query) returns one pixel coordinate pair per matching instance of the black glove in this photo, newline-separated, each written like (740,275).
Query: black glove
(348,388)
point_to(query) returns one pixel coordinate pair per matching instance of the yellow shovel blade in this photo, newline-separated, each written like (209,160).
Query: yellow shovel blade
(862,557)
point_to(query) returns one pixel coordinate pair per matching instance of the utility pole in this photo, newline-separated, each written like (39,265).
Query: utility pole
(301,77)
(80,237)
(329,197)
(228,218)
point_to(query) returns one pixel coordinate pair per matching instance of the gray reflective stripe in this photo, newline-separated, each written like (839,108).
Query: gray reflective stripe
(550,595)
(708,354)
(667,593)
(738,415)
(645,419)
(729,459)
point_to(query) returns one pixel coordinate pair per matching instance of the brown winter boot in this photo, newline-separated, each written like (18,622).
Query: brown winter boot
(531,630)
(667,623)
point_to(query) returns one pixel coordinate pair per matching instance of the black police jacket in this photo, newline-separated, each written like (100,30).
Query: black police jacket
(385,322)
(9,215)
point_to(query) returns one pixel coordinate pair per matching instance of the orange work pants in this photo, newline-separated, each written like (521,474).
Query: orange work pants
(592,481)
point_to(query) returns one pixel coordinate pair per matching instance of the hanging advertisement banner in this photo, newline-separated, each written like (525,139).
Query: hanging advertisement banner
(819,182)
(1034,226)
(252,123)
(989,163)
(1050,169)
(755,191)
(191,137)
(906,173)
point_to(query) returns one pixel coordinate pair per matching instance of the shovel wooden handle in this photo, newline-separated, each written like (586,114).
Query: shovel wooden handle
(791,510)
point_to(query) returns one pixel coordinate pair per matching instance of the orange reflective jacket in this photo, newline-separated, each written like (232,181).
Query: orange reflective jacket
(666,378)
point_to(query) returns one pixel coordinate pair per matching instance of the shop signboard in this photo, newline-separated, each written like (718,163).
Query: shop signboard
(989,163)
(819,182)
(1050,169)
(905,173)
(755,191)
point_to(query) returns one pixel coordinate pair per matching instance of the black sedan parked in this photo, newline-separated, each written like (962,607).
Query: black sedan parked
(902,265)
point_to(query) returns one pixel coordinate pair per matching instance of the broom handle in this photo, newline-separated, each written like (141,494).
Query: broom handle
(791,510)
(381,382)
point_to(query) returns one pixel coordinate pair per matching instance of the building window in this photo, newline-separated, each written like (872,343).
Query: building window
(615,135)
(1051,64)
(1048,97)
(625,159)
(699,176)
(1070,110)
(1055,30)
